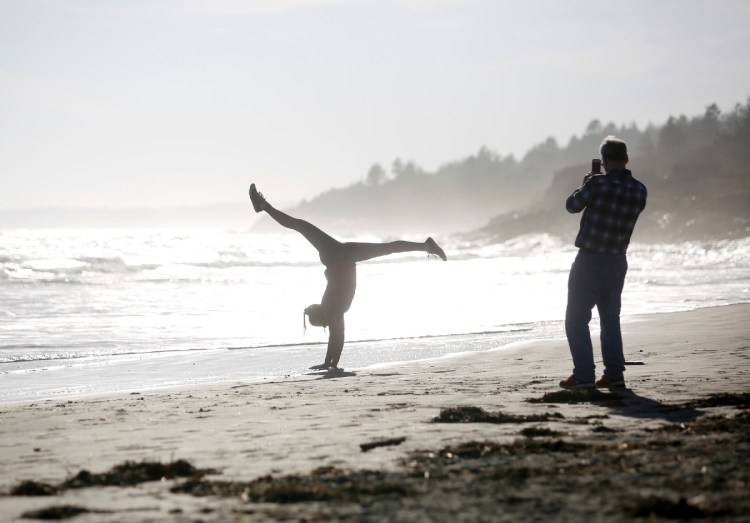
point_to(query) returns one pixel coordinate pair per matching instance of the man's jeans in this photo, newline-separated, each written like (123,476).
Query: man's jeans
(595,279)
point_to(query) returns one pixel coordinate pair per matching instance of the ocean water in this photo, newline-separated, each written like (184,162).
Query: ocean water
(91,311)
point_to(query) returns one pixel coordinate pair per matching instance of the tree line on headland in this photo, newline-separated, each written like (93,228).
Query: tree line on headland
(697,170)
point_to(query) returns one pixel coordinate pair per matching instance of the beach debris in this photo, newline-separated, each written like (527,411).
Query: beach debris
(739,423)
(322,484)
(741,400)
(58,512)
(669,464)
(585,420)
(532,432)
(133,473)
(656,507)
(507,476)
(474,450)
(387,442)
(33,488)
(469,414)
(126,474)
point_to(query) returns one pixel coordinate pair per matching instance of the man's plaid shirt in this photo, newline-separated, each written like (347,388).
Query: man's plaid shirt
(612,203)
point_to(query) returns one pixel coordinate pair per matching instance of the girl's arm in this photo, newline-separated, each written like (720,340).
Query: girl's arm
(335,340)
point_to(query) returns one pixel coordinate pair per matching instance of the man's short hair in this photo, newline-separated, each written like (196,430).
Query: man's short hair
(614,149)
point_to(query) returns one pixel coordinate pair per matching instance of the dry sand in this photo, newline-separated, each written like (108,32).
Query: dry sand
(291,449)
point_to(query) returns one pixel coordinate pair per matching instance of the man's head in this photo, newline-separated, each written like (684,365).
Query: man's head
(315,314)
(614,153)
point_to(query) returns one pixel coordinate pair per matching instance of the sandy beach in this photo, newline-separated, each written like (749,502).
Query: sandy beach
(485,436)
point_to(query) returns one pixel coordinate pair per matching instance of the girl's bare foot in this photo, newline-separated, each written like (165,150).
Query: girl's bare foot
(257,199)
(434,248)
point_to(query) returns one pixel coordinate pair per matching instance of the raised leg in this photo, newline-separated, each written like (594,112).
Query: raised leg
(357,251)
(325,244)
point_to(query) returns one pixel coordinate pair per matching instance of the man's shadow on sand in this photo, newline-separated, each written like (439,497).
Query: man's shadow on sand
(634,405)
(624,402)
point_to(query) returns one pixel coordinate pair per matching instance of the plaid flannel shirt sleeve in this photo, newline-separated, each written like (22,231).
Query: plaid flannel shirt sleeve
(578,201)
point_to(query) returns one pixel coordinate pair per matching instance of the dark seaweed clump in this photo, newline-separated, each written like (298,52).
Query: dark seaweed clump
(532,432)
(381,443)
(667,508)
(33,488)
(56,512)
(483,449)
(322,484)
(479,415)
(721,400)
(739,424)
(132,473)
(123,475)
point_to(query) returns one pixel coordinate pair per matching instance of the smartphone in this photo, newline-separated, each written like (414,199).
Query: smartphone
(596,166)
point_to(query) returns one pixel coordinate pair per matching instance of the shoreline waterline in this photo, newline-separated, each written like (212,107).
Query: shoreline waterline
(182,370)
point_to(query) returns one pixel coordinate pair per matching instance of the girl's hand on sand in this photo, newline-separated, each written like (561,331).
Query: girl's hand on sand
(322,366)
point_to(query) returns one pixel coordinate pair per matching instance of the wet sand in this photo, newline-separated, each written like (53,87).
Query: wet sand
(478,437)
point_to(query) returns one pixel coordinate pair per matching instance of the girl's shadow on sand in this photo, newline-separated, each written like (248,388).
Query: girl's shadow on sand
(332,374)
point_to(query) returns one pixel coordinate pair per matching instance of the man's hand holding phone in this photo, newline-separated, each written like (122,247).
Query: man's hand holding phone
(596,168)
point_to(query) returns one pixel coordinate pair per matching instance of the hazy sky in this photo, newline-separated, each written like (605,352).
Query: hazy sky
(117,103)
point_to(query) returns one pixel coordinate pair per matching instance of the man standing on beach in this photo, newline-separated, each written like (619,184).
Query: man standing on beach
(611,203)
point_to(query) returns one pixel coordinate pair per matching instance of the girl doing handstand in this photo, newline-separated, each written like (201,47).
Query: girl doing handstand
(340,261)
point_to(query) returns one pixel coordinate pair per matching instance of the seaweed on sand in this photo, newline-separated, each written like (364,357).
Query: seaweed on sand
(123,475)
(479,415)
(656,507)
(389,442)
(33,488)
(738,424)
(487,450)
(477,449)
(532,432)
(322,484)
(741,400)
(56,512)
(133,473)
